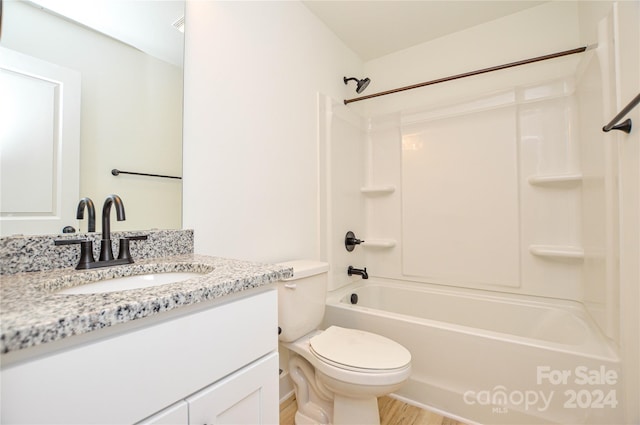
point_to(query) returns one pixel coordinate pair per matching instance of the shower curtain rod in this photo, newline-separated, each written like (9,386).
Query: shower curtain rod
(469,74)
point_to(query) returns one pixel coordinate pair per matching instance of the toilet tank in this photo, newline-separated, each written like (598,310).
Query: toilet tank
(301,299)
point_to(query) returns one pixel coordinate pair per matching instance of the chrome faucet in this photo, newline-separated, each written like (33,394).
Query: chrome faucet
(88,203)
(106,252)
(362,272)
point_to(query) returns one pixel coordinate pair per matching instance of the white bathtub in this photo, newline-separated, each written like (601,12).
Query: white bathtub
(491,358)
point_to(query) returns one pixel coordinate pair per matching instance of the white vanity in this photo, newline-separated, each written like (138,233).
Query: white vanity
(199,351)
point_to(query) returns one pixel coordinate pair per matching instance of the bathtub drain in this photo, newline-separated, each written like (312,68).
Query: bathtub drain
(354,298)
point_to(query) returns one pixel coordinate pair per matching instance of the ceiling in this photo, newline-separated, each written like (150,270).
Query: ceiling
(371,28)
(375,28)
(143,24)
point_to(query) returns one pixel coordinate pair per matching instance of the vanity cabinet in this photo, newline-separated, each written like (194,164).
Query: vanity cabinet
(241,398)
(173,415)
(208,363)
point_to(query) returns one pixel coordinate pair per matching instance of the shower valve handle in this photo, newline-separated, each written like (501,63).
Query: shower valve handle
(350,241)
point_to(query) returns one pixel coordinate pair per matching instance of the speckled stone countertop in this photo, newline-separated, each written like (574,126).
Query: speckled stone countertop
(35,253)
(32,313)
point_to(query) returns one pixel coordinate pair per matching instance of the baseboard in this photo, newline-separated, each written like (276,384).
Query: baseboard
(286,386)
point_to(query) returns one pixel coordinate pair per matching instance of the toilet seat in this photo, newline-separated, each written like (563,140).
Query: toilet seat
(342,372)
(359,351)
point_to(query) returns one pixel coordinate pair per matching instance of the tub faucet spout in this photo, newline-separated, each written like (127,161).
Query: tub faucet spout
(362,272)
(106,254)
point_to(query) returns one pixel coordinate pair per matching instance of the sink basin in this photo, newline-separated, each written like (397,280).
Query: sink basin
(130,282)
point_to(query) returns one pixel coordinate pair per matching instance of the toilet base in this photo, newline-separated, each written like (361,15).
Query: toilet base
(318,403)
(349,411)
(315,405)
(302,419)
(329,395)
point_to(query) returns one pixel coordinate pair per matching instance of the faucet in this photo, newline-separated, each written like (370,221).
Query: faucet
(106,254)
(362,272)
(88,203)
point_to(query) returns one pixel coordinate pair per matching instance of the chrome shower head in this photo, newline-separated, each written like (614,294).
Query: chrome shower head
(361,84)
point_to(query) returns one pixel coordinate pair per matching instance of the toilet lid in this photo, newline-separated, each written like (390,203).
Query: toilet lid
(359,349)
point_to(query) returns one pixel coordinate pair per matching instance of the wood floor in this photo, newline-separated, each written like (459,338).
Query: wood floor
(392,412)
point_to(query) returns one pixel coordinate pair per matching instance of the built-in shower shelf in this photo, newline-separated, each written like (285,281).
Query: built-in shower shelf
(557,251)
(378,190)
(379,243)
(556,180)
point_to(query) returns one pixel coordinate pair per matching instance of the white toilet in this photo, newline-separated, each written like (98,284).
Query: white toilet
(339,373)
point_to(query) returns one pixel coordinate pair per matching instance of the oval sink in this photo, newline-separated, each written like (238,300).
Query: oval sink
(130,282)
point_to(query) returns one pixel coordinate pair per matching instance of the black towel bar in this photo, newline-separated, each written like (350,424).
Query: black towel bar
(116,172)
(626,124)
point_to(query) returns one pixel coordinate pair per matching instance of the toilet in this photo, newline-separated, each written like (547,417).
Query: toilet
(338,374)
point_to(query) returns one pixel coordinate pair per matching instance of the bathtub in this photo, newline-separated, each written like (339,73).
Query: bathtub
(490,358)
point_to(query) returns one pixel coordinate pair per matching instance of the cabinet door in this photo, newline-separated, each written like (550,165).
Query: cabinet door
(249,396)
(176,414)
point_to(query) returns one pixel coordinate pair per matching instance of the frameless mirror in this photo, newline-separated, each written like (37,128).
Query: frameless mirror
(126,57)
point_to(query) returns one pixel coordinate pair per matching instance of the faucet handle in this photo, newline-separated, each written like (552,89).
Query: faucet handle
(350,241)
(137,238)
(86,251)
(124,252)
(69,241)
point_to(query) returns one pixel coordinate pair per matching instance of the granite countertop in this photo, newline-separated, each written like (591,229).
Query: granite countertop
(32,313)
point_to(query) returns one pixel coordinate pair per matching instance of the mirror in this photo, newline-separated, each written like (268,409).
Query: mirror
(129,57)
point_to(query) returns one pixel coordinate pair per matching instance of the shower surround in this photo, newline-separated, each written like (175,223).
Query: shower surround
(511,193)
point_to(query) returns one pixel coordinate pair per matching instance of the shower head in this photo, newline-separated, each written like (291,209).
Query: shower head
(362,84)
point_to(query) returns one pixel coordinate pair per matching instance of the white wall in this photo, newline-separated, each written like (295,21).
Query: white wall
(626,297)
(629,162)
(548,28)
(253,71)
(342,177)
(130,119)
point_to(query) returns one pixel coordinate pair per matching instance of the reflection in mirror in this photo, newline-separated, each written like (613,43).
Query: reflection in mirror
(130,113)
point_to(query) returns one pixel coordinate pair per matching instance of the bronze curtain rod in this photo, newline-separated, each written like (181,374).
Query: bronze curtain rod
(469,74)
